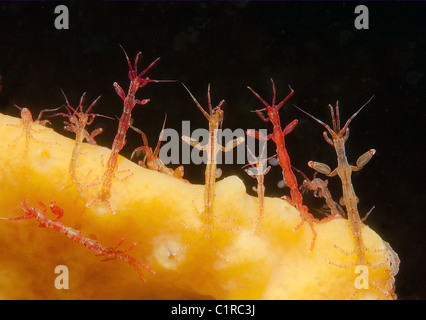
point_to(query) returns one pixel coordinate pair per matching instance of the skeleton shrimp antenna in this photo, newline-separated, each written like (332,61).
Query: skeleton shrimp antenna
(335,117)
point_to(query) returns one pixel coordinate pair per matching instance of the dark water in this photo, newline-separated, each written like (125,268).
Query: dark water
(314,47)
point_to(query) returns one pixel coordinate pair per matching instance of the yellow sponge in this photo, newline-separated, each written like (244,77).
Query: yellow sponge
(162,215)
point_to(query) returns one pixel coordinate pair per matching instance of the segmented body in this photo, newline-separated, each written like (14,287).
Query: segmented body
(278,136)
(27,123)
(110,253)
(137,81)
(212,148)
(338,137)
(344,171)
(259,170)
(210,173)
(78,119)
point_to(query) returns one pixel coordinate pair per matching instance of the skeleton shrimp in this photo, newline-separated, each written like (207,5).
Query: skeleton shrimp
(129,102)
(110,253)
(258,170)
(27,123)
(339,136)
(278,136)
(215,118)
(78,120)
(319,187)
(337,139)
(151,160)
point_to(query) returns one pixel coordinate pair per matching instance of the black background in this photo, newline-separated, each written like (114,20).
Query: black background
(314,47)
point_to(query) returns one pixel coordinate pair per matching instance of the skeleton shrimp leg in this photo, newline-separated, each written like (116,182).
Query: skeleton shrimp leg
(215,118)
(278,136)
(151,159)
(137,81)
(360,163)
(75,235)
